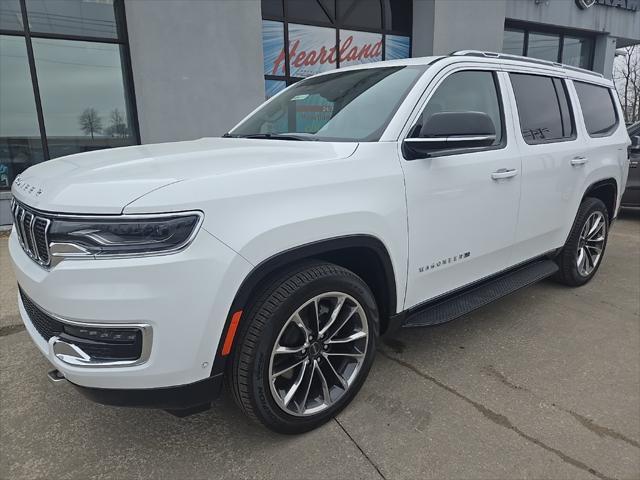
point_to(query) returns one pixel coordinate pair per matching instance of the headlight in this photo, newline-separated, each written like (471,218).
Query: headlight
(122,235)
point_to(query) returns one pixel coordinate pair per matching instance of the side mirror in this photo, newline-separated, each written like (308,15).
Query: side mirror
(448,131)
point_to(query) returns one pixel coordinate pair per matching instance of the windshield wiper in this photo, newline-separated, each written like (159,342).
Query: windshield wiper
(277,136)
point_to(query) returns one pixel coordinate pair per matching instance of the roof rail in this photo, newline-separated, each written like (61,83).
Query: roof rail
(507,56)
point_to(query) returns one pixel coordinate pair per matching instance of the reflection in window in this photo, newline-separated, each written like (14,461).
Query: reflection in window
(92,18)
(577,51)
(310,10)
(513,42)
(544,46)
(83,96)
(10,15)
(360,13)
(20,144)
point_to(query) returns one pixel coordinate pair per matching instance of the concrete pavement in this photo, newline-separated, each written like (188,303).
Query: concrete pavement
(542,384)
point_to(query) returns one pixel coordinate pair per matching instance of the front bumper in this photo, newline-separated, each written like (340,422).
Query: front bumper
(183,299)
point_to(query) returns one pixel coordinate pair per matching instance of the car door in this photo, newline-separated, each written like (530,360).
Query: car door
(462,203)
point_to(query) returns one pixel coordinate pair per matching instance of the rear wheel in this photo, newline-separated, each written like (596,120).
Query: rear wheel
(304,348)
(581,256)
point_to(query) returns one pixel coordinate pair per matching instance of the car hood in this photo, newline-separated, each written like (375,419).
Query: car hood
(105,181)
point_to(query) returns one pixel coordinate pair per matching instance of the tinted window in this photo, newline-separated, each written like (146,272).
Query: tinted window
(597,109)
(73,17)
(545,46)
(577,51)
(360,13)
(543,108)
(472,91)
(272,8)
(83,95)
(10,15)
(20,144)
(513,42)
(397,15)
(308,11)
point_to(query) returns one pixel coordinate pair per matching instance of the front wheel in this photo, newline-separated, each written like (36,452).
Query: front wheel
(581,256)
(305,347)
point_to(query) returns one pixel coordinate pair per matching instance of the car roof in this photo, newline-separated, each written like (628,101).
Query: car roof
(501,60)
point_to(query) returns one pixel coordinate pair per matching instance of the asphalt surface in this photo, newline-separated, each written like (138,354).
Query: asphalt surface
(542,384)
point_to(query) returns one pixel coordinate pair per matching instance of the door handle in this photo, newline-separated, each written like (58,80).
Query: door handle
(504,173)
(577,161)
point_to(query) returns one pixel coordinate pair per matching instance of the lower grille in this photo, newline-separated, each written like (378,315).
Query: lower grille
(46,326)
(123,343)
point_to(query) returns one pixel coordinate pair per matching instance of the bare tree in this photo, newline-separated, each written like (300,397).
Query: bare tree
(626,75)
(90,122)
(118,125)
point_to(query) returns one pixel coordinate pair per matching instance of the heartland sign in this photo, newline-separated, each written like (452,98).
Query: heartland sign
(313,50)
(630,5)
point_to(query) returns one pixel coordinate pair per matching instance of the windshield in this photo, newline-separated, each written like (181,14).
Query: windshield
(354,105)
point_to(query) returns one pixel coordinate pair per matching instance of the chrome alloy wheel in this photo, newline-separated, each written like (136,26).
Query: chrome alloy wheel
(318,354)
(591,243)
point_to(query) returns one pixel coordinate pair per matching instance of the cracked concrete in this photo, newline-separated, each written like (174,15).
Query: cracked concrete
(542,384)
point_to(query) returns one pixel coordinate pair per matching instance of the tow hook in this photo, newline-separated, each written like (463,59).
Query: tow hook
(56,376)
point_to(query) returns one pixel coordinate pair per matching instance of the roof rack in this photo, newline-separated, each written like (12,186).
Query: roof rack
(519,58)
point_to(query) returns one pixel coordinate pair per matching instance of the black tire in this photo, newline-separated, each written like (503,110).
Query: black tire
(567,259)
(248,372)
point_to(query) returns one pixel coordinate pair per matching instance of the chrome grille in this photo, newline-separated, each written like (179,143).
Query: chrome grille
(32,230)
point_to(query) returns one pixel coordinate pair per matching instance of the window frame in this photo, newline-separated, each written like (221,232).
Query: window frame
(613,100)
(422,105)
(572,113)
(125,56)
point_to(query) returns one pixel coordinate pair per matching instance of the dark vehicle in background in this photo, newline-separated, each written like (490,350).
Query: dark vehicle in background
(631,196)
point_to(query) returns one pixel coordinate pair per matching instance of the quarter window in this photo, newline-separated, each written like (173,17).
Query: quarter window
(598,109)
(543,108)
(468,91)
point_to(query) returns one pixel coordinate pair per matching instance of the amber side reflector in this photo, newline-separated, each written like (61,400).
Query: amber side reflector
(233,326)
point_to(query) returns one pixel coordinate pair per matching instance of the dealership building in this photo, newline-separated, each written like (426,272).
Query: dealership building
(81,75)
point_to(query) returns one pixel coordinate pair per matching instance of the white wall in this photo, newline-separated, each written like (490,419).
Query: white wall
(197,65)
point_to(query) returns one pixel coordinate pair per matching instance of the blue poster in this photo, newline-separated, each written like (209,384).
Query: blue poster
(272,87)
(273,47)
(397,46)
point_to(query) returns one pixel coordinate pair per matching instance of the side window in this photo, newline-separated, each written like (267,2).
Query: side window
(467,91)
(598,110)
(543,108)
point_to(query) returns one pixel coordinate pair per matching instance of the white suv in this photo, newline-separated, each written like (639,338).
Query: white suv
(398,194)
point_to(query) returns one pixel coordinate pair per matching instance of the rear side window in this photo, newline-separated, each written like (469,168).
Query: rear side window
(543,108)
(598,109)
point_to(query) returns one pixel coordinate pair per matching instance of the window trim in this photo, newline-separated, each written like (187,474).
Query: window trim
(460,151)
(542,141)
(614,128)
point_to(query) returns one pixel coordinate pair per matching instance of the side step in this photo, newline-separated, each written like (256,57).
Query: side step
(480,294)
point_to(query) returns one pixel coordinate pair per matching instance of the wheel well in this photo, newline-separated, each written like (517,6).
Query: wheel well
(364,255)
(367,264)
(607,191)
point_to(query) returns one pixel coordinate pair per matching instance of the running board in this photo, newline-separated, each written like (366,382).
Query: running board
(480,294)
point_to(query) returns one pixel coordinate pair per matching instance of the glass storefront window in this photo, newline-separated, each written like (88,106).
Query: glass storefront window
(577,51)
(20,143)
(545,46)
(79,98)
(83,95)
(319,40)
(88,18)
(10,15)
(513,42)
